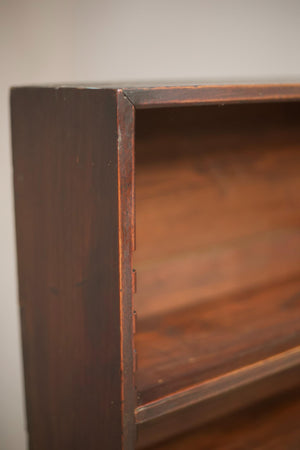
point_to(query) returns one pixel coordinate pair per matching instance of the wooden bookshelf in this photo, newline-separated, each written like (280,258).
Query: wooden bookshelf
(158,236)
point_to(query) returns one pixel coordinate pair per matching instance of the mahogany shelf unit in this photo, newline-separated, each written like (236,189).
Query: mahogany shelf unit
(158,238)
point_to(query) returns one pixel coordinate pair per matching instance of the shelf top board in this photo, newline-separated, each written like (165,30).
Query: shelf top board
(153,94)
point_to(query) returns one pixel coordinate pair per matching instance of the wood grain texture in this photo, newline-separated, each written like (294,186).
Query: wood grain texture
(65,156)
(270,425)
(191,345)
(162,96)
(233,395)
(125,121)
(217,259)
(217,201)
(245,377)
(217,212)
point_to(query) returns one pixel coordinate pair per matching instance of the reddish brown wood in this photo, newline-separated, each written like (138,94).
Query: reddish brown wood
(218,204)
(198,343)
(125,121)
(271,425)
(161,96)
(65,146)
(250,378)
(217,257)
(219,404)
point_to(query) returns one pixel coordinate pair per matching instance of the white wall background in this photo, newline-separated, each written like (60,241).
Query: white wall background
(88,40)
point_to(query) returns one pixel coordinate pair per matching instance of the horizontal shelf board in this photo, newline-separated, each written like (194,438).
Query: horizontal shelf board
(192,345)
(271,424)
(218,386)
(211,94)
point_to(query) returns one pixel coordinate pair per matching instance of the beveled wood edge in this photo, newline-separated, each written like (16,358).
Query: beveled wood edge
(126,214)
(163,95)
(212,94)
(218,386)
(82,316)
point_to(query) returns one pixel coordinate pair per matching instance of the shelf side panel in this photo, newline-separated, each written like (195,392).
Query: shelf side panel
(66,198)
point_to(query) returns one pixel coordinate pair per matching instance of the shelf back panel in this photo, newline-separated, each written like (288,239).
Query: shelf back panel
(217,202)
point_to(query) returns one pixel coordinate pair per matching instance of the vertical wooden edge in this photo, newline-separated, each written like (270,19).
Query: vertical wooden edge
(65,157)
(126,196)
(27,398)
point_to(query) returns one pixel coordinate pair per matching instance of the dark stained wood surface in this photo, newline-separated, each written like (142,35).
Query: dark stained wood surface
(271,425)
(249,377)
(217,259)
(74,194)
(158,94)
(66,195)
(224,396)
(217,202)
(125,121)
(161,96)
(197,343)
